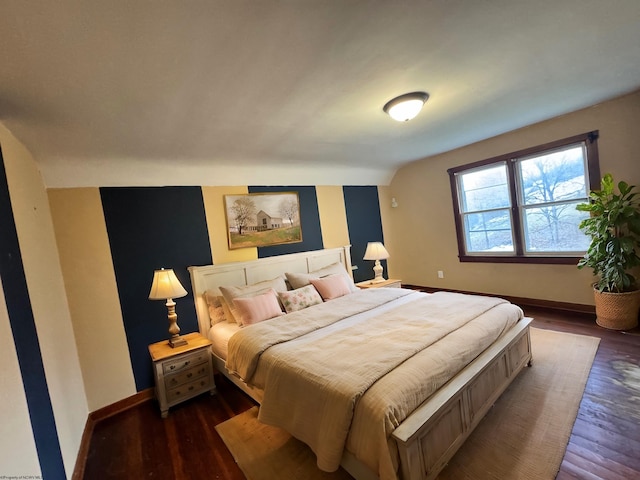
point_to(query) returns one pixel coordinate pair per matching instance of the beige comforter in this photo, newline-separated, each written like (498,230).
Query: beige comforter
(344,373)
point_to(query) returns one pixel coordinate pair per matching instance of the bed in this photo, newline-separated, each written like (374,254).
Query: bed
(398,422)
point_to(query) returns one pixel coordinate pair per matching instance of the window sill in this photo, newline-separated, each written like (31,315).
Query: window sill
(520,259)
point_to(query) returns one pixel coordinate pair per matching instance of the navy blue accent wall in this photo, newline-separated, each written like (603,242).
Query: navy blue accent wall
(151,228)
(309,218)
(365,225)
(25,338)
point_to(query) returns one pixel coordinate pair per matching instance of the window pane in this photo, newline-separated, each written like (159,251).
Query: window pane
(484,189)
(554,177)
(488,232)
(554,229)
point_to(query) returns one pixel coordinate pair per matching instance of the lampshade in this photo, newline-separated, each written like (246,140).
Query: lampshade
(407,106)
(166,285)
(375,251)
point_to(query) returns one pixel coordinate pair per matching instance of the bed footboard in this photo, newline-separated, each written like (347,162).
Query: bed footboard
(431,435)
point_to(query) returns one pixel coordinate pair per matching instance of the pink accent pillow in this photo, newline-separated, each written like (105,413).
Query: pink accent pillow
(301,298)
(258,308)
(331,287)
(231,293)
(299,280)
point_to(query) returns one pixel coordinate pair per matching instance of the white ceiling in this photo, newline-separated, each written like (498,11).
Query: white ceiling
(266,92)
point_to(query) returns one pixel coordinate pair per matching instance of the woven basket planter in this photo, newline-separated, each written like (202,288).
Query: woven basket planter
(617,311)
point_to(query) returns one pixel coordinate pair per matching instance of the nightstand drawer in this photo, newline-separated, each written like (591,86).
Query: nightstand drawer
(186,376)
(185,362)
(188,390)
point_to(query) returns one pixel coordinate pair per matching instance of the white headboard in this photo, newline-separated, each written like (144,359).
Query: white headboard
(235,274)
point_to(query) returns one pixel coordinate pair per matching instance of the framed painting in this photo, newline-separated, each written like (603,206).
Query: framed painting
(262,219)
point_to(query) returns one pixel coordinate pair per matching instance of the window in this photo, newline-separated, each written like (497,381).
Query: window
(521,207)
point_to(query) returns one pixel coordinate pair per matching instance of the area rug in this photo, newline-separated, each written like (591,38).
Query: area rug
(524,436)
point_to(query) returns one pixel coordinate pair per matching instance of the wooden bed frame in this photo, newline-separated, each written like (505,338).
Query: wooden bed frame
(430,436)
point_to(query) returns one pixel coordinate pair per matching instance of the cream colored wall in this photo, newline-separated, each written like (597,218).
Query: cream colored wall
(18,455)
(333,216)
(47,294)
(90,282)
(391,235)
(420,232)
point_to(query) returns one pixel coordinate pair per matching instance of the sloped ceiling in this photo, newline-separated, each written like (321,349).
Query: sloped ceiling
(133,92)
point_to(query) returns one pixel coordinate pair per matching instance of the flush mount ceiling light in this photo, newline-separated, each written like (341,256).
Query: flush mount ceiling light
(407,106)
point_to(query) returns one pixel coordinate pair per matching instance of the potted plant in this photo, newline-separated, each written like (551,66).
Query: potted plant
(614,228)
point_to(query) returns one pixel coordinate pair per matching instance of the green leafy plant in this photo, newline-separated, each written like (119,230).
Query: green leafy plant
(614,228)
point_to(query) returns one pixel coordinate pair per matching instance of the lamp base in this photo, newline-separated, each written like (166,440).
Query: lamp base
(377,273)
(177,341)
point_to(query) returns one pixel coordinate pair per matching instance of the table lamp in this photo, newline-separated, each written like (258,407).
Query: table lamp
(166,286)
(376,251)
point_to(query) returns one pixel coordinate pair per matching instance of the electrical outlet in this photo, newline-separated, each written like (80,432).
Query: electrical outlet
(440,274)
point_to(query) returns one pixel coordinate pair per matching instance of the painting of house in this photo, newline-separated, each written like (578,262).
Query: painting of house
(267,222)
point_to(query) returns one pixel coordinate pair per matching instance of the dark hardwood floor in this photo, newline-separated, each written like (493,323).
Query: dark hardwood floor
(605,442)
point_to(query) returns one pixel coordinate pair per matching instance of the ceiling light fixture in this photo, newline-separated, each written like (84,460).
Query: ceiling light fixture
(405,107)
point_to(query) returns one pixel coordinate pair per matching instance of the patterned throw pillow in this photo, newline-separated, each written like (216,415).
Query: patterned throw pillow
(214,304)
(300,298)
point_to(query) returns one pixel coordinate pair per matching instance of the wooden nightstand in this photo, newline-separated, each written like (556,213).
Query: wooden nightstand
(182,372)
(391,283)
